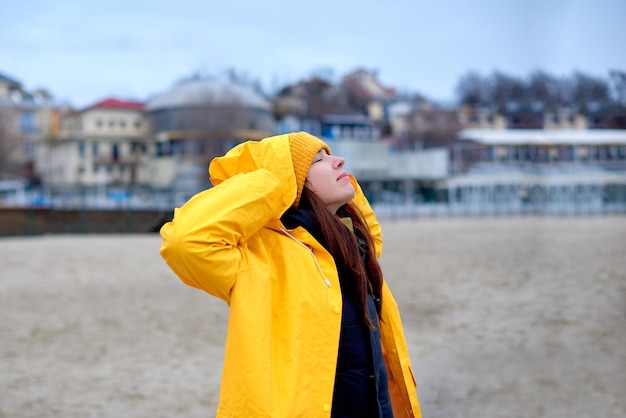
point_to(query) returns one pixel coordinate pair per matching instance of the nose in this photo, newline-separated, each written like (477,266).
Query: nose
(339,161)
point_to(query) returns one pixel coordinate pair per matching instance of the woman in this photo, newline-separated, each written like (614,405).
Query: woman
(287,239)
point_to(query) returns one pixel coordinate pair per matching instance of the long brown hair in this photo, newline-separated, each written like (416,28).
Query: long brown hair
(364,275)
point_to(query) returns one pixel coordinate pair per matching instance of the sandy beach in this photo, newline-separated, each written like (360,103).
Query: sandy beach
(505,317)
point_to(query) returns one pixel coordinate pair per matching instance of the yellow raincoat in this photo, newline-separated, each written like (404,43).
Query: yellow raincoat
(281,286)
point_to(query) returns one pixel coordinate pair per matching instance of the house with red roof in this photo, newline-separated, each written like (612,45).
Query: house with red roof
(105,143)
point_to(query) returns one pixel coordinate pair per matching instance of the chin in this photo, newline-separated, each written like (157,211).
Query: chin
(349,197)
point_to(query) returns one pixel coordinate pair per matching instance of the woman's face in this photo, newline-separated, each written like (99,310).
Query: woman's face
(327,179)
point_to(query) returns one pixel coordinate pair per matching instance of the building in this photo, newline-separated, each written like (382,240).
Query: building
(198,119)
(368,95)
(512,116)
(26,119)
(416,124)
(384,174)
(107,143)
(359,92)
(480,118)
(606,147)
(537,171)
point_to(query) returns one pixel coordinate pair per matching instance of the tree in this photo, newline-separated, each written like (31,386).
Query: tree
(577,91)
(584,89)
(618,86)
(544,88)
(505,89)
(473,90)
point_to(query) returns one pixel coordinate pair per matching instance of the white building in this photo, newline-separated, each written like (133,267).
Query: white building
(104,144)
(385,174)
(554,171)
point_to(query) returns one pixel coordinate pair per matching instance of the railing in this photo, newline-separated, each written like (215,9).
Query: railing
(487,209)
(542,201)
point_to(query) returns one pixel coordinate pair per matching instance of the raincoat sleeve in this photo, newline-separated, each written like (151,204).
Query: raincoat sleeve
(205,243)
(362,203)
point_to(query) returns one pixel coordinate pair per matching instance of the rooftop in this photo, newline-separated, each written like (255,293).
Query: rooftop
(8,80)
(202,92)
(544,136)
(112,103)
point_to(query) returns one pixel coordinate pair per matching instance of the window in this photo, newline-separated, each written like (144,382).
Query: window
(99,123)
(111,123)
(596,122)
(137,123)
(160,151)
(123,123)
(81,149)
(29,148)
(94,149)
(27,123)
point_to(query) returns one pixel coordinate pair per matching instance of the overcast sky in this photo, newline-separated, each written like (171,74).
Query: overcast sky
(84,50)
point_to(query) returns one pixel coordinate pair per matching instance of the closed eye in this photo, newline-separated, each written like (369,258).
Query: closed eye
(319,156)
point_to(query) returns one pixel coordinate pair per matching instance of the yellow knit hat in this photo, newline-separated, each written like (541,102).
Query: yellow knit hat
(303,148)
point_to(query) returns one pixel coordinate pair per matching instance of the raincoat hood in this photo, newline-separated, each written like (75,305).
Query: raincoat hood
(275,154)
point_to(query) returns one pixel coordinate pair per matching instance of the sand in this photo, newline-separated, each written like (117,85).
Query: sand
(508,317)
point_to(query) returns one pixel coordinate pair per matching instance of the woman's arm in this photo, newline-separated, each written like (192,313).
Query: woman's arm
(205,243)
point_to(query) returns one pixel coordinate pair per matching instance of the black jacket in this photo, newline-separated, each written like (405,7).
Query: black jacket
(361,378)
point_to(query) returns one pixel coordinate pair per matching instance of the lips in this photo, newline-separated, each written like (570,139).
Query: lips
(342,176)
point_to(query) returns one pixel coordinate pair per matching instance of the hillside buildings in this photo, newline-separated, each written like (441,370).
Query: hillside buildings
(404,150)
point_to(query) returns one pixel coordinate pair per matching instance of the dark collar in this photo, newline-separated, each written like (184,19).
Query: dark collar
(295,217)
